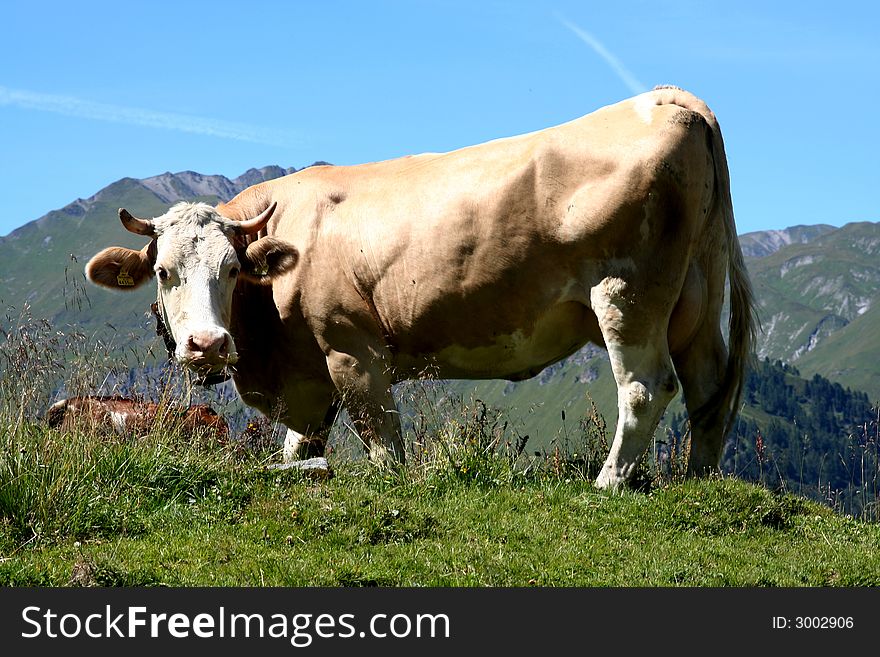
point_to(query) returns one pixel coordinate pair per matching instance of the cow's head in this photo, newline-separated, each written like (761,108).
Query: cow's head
(197,256)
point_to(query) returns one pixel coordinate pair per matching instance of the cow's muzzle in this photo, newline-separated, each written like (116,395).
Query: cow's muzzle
(207,355)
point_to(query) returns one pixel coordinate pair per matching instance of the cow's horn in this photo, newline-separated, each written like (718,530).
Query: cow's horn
(135,225)
(251,226)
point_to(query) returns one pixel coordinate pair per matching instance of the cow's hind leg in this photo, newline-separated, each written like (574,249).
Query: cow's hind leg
(701,368)
(642,369)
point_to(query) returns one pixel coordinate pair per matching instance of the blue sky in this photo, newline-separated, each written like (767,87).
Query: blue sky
(91,92)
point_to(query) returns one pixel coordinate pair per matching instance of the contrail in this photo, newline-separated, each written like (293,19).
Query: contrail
(86,109)
(616,65)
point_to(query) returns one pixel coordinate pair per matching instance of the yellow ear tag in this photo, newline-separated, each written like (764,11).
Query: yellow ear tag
(124,279)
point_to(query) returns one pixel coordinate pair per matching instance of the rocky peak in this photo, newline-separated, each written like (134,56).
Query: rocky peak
(766,242)
(173,187)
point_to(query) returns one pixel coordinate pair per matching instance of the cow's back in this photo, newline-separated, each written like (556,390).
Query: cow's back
(480,260)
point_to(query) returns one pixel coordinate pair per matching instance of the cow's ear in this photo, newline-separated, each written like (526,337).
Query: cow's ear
(121,269)
(267,258)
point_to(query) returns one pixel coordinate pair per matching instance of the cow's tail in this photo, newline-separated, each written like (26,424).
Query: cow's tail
(743,323)
(55,414)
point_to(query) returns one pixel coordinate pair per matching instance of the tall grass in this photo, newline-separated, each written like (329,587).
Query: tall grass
(862,458)
(82,485)
(848,478)
(479,502)
(91,483)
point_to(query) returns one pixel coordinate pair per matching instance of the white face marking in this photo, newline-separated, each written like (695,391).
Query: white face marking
(196,270)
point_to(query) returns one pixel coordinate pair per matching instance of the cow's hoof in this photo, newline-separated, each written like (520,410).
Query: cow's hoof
(608,479)
(315,467)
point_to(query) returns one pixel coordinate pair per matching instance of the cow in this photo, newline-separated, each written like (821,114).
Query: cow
(326,286)
(126,416)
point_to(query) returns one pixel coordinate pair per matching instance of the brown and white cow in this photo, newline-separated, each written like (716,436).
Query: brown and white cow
(127,416)
(492,261)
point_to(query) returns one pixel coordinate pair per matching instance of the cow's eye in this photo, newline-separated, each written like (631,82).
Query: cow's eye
(162,273)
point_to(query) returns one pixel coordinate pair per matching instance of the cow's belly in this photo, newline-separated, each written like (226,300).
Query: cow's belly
(558,332)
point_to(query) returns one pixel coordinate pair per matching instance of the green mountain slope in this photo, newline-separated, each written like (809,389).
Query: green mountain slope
(850,355)
(818,308)
(44,259)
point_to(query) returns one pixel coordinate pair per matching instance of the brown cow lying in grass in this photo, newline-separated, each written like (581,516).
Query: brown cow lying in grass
(132,417)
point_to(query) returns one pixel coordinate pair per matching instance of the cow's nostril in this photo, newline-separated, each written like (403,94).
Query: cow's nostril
(209,344)
(199,342)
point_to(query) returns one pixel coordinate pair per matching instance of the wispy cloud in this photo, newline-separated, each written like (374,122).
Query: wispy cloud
(86,109)
(616,65)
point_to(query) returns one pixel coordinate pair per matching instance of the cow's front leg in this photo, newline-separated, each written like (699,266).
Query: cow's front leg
(364,381)
(312,442)
(299,446)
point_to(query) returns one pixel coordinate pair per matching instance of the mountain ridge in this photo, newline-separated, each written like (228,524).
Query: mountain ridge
(810,292)
(762,243)
(168,188)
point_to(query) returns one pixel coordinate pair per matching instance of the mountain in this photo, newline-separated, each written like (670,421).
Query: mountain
(173,187)
(818,304)
(766,242)
(43,260)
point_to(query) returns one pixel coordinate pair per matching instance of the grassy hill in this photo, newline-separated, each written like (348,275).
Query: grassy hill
(849,354)
(91,510)
(816,287)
